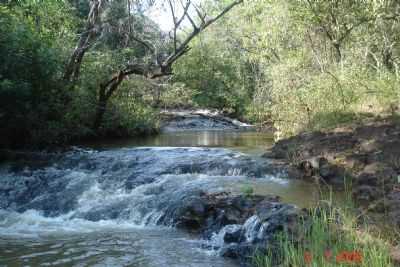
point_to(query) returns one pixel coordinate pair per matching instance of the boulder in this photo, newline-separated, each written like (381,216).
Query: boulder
(373,183)
(237,225)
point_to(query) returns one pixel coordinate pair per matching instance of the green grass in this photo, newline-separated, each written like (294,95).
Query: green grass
(326,234)
(247,190)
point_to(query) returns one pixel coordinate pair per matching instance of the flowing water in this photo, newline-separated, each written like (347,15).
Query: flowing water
(112,204)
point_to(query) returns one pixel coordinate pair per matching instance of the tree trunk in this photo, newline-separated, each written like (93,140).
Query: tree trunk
(105,92)
(86,39)
(100,109)
(72,69)
(338,52)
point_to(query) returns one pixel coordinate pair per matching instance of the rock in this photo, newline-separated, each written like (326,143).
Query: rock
(395,255)
(243,252)
(331,173)
(365,194)
(374,182)
(307,169)
(191,120)
(294,173)
(321,167)
(233,233)
(192,214)
(369,146)
(393,204)
(368,153)
(238,225)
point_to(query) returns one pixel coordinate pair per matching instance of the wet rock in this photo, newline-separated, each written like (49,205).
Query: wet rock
(260,229)
(331,173)
(233,233)
(294,172)
(320,167)
(242,251)
(192,120)
(244,224)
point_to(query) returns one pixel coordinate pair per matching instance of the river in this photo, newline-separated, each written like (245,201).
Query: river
(111,203)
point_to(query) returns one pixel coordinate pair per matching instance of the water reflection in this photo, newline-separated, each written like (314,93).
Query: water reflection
(243,141)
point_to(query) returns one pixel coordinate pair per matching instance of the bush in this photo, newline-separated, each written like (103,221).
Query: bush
(315,101)
(31,100)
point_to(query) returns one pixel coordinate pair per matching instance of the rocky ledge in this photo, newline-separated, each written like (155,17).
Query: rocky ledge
(199,120)
(238,226)
(367,155)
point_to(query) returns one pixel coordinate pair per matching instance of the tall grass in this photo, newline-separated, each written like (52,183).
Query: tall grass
(329,236)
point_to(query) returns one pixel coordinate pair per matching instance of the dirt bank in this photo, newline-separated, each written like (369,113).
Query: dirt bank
(367,156)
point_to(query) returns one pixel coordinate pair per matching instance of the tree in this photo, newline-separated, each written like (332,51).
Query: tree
(338,19)
(86,40)
(156,61)
(160,63)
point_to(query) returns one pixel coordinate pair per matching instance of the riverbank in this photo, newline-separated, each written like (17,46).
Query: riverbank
(364,158)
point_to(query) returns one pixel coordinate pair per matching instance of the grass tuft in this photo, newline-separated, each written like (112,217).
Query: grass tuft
(329,236)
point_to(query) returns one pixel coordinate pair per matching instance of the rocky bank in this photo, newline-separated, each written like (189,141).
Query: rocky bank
(200,120)
(367,156)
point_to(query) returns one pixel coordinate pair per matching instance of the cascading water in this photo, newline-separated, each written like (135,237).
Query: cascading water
(115,207)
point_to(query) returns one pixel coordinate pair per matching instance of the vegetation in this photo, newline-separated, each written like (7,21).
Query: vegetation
(76,69)
(73,69)
(247,190)
(299,64)
(329,236)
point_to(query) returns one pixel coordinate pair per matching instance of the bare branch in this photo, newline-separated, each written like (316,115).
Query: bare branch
(152,71)
(223,12)
(144,43)
(183,48)
(199,14)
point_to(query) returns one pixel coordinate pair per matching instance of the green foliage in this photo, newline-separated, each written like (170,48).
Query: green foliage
(129,114)
(37,107)
(215,70)
(29,94)
(299,65)
(178,95)
(247,190)
(323,240)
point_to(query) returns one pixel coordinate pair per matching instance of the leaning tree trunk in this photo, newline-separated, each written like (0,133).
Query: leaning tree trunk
(338,52)
(72,69)
(100,109)
(105,92)
(93,26)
